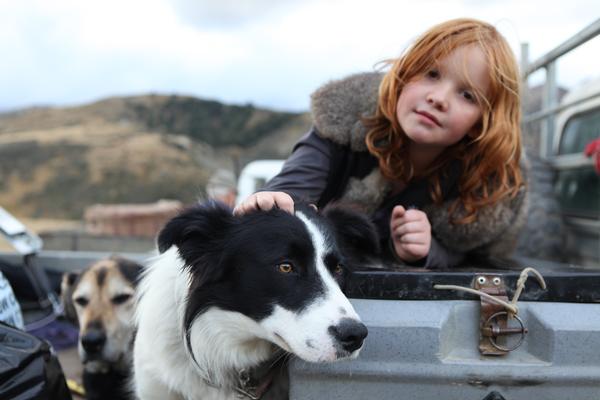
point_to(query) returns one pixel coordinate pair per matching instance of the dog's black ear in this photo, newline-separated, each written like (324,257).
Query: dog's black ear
(194,222)
(130,269)
(67,285)
(355,234)
(199,232)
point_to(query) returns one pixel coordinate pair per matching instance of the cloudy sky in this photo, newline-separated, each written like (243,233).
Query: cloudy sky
(271,53)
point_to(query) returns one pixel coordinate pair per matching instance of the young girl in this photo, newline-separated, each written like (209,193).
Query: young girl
(430,150)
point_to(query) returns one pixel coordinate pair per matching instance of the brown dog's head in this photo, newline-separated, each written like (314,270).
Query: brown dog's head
(101,300)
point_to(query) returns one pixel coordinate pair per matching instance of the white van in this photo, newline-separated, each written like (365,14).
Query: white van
(254,176)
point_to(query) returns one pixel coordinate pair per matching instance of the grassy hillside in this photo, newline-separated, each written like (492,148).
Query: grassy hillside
(56,161)
(206,121)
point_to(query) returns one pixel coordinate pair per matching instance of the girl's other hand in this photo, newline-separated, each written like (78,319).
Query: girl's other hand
(410,232)
(265,201)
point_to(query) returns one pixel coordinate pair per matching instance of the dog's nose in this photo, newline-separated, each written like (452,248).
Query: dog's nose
(350,333)
(93,341)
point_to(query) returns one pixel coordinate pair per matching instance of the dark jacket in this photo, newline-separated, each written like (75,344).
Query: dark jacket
(331,163)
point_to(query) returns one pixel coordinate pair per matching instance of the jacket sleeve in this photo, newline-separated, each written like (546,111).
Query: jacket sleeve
(441,257)
(304,174)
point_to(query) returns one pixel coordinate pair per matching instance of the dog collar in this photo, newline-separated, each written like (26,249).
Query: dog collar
(254,383)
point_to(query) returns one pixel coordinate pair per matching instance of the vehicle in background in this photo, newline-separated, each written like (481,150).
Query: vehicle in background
(577,183)
(254,176)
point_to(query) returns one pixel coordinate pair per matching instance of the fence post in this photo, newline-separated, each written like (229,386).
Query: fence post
(550,100)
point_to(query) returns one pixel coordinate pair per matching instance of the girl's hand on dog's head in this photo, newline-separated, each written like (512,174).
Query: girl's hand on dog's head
(265,201)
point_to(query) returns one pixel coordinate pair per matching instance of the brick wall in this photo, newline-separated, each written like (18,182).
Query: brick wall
(139,220)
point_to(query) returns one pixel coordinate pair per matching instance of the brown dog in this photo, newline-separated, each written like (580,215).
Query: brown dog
(101,300)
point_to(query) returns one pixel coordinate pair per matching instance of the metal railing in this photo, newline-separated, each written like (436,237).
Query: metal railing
(581,235)
(550,106)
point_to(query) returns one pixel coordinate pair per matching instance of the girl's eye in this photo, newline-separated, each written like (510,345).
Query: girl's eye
(338,270)
(285,268)
(432,74)
(469,96)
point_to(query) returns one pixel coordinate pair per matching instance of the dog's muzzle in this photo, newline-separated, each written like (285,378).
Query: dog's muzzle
(349,333)
(93,342)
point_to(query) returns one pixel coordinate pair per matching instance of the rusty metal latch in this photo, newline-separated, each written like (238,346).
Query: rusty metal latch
(498,315)
(493,319)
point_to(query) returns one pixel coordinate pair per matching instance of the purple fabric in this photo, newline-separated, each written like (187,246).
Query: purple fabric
(61,335)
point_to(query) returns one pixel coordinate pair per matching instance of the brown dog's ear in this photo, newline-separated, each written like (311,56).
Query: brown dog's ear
(66,292)
(130,269)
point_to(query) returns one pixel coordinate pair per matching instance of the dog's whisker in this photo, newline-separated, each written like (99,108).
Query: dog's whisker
(283,354)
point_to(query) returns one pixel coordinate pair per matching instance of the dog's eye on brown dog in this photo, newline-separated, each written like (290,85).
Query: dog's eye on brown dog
(121,298)
(81,301)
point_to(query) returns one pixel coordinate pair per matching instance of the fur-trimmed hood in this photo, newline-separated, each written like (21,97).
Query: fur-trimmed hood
(338,106)
(337,109)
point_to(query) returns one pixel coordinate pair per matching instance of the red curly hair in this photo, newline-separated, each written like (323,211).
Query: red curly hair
(490,158)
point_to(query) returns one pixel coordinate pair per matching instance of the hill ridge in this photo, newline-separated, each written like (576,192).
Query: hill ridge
(55,161)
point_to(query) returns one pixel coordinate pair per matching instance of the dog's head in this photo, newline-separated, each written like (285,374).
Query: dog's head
(278,274)
(101,300)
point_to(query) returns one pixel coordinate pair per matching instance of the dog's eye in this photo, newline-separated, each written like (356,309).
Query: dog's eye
(82,301)
(121,298)
(338,270)
(285,268)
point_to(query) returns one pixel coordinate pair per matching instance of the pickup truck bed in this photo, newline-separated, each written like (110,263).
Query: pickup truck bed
(423,342)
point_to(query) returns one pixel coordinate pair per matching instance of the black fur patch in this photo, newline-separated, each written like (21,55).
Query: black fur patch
(108,385)
(356,237)
(101,276)
(71,278)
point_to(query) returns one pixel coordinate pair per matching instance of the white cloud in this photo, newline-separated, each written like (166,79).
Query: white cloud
(228,14)
(269,53)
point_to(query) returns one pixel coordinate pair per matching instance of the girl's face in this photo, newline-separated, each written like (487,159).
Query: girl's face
(437,109)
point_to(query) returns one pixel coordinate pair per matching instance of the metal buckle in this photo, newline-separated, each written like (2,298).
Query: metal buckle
(491,329)
(243,393)
(244,388)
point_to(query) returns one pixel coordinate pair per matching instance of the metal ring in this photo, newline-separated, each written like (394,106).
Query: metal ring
(502,348)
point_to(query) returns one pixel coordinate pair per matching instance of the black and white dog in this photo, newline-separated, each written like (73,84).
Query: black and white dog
(228,293)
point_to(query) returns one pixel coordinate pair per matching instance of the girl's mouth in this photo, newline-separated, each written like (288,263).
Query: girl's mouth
(428,117)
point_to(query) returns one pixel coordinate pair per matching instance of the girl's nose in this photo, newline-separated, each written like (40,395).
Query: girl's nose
(438,98)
